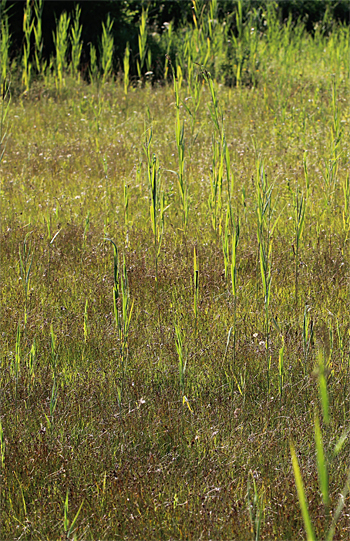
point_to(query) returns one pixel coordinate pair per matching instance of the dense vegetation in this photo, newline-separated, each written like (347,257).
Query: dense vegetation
(40,38)
(175,335)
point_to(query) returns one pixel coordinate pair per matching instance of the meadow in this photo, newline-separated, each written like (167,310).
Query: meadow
(175,338)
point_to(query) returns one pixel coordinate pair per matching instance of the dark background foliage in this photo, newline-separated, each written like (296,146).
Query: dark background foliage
(126,15)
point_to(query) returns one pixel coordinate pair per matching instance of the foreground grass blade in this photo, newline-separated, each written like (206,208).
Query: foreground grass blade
(321,462)
(301,495)
(322,385)
(339,508)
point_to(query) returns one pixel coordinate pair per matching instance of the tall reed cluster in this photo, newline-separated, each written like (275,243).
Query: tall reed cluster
(239,50)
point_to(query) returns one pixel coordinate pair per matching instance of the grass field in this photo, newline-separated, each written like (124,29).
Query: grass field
(176,382)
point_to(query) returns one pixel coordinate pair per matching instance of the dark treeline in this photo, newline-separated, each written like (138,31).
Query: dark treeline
(126,14)
(126,17)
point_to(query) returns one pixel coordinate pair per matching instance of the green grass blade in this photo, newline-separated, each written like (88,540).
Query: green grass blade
(301,495)
(74,520)
(322,385)
(321,462)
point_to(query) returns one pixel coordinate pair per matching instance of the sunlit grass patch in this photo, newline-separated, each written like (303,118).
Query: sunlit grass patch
(174,269)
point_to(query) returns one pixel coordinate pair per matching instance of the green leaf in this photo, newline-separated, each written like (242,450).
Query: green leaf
(322,385)
(74,520)
(65,517)
(321,462)
(340,443)
(301,495)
